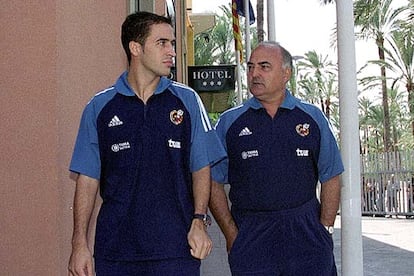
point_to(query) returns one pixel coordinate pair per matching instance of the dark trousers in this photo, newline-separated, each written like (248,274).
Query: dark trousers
(288,242)
(168,267)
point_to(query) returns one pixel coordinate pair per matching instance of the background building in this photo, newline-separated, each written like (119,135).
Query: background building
(55,55)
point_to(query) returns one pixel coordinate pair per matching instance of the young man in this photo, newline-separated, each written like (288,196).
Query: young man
(278,149)
(147,144)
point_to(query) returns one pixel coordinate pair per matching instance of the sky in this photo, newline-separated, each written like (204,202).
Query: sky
(303,26)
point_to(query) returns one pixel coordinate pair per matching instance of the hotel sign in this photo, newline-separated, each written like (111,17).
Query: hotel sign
(211,78)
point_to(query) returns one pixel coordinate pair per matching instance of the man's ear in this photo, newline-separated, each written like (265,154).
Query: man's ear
(288,74)
(135,48)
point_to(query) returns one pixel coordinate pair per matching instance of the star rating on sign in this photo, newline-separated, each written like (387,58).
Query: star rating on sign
(212,83)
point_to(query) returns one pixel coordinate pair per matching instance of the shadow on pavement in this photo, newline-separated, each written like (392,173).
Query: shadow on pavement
(380,259)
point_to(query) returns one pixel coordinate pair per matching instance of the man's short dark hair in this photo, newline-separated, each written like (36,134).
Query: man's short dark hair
(136,27)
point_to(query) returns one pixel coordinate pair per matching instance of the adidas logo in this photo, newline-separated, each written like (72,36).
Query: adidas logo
(245,131)
(115,122)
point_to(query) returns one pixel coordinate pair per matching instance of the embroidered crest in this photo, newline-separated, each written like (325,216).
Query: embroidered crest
(303,129)
(177,117)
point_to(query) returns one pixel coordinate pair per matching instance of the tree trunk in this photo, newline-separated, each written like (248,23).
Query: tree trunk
(410,90)
(385,106)
(328,108)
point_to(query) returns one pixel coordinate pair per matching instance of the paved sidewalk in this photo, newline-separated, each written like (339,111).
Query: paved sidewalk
(388,248)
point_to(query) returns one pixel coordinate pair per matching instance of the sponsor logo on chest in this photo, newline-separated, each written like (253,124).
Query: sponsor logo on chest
(249,154)
(174,144)
(120,146)
(115,121)
(302,152)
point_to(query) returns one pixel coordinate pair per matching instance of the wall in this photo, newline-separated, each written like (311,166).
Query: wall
(54,56)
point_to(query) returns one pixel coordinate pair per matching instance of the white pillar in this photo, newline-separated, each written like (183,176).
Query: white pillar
(351,235)
(271,22)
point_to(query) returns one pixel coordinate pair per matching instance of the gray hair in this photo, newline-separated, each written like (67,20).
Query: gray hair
(286,56)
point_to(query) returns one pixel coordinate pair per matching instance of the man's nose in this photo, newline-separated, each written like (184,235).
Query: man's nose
(253,72)
(171,51)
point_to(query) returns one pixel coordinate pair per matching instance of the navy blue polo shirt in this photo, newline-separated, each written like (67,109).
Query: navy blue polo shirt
(143,155)
(275,163)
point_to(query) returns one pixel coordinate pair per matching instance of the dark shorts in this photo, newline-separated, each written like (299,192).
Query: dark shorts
(180,266)
(288,242)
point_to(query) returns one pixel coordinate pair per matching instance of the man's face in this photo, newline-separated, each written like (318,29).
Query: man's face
(158,52)
(266,77)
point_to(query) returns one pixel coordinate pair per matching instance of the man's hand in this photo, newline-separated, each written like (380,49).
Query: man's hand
(199,240)
(80,262)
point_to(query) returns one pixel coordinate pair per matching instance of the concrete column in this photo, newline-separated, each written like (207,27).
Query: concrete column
(351,240)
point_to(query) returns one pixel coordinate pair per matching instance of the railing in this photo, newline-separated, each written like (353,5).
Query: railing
(387,184)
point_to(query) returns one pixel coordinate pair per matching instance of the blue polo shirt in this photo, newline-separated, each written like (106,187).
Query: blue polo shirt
(143,155)
(275,163)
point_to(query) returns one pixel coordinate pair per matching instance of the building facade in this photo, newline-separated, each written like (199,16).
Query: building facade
(55,55)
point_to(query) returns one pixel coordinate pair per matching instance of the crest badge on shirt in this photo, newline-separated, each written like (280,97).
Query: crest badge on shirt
(177,116)
(303,129)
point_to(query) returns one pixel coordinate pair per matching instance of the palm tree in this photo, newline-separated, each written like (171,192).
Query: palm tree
(223,37)
(400,117)
(215,47)
(400,59)
(375,119)
(371,126)
(376,19)
(219,47)
(318,81)
(365,106)
(204,44)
